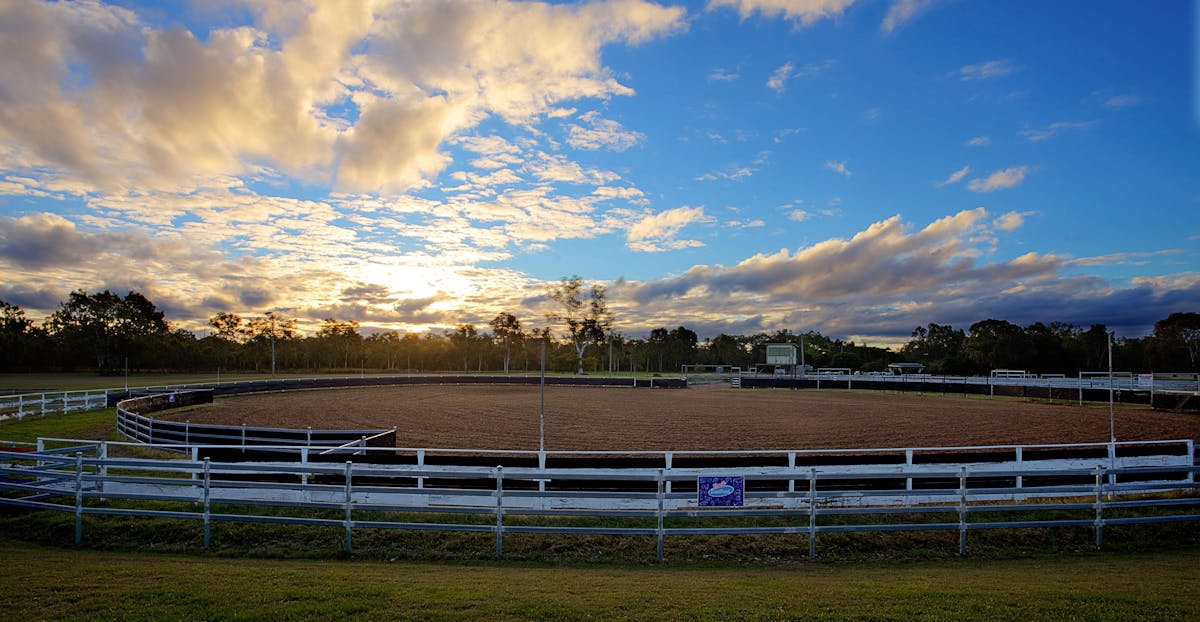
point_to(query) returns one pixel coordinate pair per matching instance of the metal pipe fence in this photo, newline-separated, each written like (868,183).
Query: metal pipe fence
(1081,388)
(500,500)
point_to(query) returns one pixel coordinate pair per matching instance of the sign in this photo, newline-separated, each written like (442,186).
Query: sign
(719,492)
(1145,381)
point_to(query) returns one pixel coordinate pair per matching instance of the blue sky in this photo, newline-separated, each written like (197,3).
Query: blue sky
(855,167)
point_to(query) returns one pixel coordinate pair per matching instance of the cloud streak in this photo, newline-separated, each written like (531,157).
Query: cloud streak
(999,180)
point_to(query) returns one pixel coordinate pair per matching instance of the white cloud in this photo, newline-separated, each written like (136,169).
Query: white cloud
(999,180)
(955,177)
(1128,258)
(601,133)
(805,12)
(737,172)
(903,11)
(838,167)
(979,141)
(986,70)
(365,94)
(788,71)
(656,232)
(778,80)
(1113,100)
(1120,102)
(1010,221)
(1040,134)
(722,75)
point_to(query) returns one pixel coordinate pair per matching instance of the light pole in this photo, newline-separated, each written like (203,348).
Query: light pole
(1112,420)
(542,406)
(272,344)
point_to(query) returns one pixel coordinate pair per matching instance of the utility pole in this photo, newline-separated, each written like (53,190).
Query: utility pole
(272,344)
(542,407)
(1112,420)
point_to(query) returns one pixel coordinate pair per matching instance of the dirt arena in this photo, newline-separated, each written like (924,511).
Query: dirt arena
(699,418)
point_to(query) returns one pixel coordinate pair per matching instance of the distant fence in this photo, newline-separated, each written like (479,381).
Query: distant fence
(134,423)
(1169,394)
(1139,483)
(1165,394)
(47,402)
(25,404)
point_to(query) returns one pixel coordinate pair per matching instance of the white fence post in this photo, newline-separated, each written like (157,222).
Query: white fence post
(792,467)
(669,459)
(658,531)
(812,514)
(207,498)
(349,500)
(78,497)
(1099,507)
(499,473)
(962,510)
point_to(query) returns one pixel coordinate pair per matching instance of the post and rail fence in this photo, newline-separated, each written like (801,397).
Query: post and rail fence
(82,478)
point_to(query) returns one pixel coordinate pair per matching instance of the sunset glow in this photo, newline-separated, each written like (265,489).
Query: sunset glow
(850,167)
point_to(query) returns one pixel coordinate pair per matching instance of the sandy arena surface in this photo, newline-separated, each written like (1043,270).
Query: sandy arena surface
(698,418)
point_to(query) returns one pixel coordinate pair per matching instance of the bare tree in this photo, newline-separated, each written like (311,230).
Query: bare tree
(583,312)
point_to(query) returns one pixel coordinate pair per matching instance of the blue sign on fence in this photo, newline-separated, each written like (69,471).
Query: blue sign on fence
(720,491)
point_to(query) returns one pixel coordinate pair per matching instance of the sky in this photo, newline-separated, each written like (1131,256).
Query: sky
(853,167)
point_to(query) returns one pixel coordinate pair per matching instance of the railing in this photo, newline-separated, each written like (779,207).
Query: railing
(21,406)
(813,500)
(134,423)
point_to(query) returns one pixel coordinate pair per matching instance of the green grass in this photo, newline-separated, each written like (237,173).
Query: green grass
(52,584)
(91,425)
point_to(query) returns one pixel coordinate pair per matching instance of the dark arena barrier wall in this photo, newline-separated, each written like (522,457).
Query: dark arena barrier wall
(1064,394)
(133,422)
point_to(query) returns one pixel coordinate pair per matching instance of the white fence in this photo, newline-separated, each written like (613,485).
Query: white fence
(1130,485)
(20,406)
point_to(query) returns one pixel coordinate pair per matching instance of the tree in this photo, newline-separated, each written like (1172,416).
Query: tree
(998,344)
(463,338)
(507,329)
(105,324)
(587,320)
(1178,338)
(15,335)
(262,333)
(940,348)
(340,340)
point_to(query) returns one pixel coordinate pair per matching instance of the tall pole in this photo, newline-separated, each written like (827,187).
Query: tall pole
(1112,420)
(542,407)
(272,344)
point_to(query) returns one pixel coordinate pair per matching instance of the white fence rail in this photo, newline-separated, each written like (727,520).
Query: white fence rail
(20,406)
(944,496)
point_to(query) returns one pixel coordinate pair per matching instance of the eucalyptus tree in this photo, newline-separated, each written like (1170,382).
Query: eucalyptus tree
(506,328)
(583,312)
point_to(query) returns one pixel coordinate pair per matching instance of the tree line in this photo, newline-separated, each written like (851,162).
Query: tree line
(108,333)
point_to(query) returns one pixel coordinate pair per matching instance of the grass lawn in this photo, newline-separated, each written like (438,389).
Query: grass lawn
(56,583)
(90,425)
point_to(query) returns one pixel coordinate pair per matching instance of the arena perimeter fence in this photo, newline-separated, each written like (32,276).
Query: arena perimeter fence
(21,405)
(1114,483)
(1140,488)
(1170,395)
